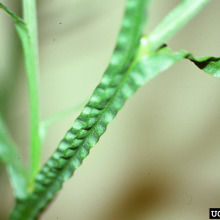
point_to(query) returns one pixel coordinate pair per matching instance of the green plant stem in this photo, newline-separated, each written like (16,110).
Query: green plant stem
(30,46)
(174,21)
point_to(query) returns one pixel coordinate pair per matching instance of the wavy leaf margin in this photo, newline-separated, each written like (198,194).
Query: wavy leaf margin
(92,122)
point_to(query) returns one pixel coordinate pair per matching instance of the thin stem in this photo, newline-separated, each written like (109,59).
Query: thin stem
(174,21)
(16,18)
(56,117)
(44,126)
(31,61)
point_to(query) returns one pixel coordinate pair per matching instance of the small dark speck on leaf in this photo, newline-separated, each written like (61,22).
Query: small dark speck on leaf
(54,39)
(18,158)
(60,23)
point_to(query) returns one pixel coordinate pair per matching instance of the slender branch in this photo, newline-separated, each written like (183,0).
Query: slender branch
(44,125)
(174,21)
(16,18)
(56,117)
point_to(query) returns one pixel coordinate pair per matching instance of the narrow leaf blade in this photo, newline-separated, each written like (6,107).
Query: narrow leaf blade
(103,106)
(92,122)
(15,17)
(10,157)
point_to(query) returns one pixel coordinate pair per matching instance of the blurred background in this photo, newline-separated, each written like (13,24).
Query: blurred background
(159,158)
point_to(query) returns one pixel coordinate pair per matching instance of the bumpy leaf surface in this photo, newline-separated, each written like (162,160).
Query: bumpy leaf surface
(105,102)
(122,78)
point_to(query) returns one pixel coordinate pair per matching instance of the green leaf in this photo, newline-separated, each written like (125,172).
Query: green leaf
(210,65)
(10,157)
(107,99)
(94,118)
(130,68)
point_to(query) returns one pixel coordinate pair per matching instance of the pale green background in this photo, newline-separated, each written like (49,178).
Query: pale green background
(160,157)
